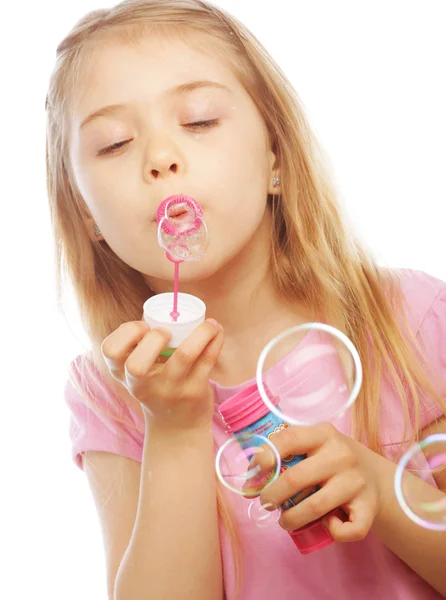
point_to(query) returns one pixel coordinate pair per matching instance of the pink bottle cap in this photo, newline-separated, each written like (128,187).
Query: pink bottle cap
(245,408)
(311,538)
(315,535)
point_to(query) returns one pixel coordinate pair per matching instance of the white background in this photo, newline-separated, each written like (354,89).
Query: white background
(371,76)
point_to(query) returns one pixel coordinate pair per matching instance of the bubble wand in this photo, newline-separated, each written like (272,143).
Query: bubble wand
(175,314)
(183,233)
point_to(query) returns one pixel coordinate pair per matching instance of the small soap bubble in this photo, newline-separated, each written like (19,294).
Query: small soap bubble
(179,250)
(425,460)
(263,514)
(185,242)
(246,463)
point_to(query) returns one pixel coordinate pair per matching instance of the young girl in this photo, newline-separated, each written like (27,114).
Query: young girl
(159,97)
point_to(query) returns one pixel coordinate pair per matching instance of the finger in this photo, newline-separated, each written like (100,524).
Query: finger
(262,469)
(118,345)
(206,361)
(359,523)
(338,491)
(180,363)
(145,355)
(303,439)
(309,472)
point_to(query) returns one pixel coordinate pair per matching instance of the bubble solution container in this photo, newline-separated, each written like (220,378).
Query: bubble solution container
(157,311)
(247,413)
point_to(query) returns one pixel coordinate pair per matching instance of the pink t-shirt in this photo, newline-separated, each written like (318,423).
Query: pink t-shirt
(273,568)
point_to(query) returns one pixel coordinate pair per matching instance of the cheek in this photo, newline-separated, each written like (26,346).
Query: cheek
(91,188)
(107,197)
(238,221)
(242,189)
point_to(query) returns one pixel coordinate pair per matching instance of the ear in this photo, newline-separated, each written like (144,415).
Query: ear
(90,225)
(274,172)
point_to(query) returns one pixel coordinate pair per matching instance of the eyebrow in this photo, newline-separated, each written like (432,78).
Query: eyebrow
(178,90)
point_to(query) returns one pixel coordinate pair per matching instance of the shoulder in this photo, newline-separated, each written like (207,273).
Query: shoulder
(424,297)
(86,378)
(421,293)
(99,410)
(86,388)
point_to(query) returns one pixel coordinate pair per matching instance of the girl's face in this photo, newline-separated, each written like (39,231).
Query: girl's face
(156,151)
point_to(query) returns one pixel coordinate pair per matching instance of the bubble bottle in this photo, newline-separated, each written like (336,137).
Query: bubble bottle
(183,233)
(320,364)
(246,413)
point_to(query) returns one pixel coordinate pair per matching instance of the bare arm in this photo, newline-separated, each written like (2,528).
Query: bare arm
(422,549)
(174,550)
(174,547)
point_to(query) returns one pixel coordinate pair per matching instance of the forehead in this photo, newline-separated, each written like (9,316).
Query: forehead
(114,72)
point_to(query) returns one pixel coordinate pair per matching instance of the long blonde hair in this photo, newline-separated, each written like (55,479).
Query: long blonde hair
(316,258)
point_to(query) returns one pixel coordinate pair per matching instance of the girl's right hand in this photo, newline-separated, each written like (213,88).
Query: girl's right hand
(174,393)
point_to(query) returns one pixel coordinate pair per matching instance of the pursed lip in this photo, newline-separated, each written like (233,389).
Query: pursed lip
(173,200)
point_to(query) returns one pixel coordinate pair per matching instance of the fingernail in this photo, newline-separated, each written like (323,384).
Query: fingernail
(213,321)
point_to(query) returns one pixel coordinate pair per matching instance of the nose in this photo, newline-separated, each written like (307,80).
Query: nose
(161,159)
(163,171)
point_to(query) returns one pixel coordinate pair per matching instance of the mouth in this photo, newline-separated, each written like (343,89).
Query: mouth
(178,209)
(177,212)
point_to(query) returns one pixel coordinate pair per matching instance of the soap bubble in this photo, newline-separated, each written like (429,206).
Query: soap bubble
(182,231)
(185,246)
(247,463)
(309,374)
(424,460)
(263,514)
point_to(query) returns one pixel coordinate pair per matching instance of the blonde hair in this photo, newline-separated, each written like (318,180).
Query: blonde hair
(316,259)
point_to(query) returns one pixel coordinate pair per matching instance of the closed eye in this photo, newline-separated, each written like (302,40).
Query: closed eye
(113,148)
(203,124)
(195,126)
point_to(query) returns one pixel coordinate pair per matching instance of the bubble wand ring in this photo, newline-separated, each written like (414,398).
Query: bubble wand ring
(306,327)
(185,204)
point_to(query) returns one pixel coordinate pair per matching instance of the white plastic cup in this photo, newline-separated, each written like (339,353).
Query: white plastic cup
(157,311)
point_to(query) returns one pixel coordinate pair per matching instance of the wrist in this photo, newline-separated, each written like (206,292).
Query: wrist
(383,470)
(159,429)
(179,449)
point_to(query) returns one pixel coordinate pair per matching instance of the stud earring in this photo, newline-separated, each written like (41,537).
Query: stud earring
(276,181)
(96,231)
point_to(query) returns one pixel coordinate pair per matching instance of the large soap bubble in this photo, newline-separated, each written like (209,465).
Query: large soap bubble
(423,460)
(309,374)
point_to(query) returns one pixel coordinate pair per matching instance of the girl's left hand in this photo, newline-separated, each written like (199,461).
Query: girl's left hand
(344,470)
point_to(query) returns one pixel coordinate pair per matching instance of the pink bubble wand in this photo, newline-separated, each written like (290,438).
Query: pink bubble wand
(175,314)
(183,233)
